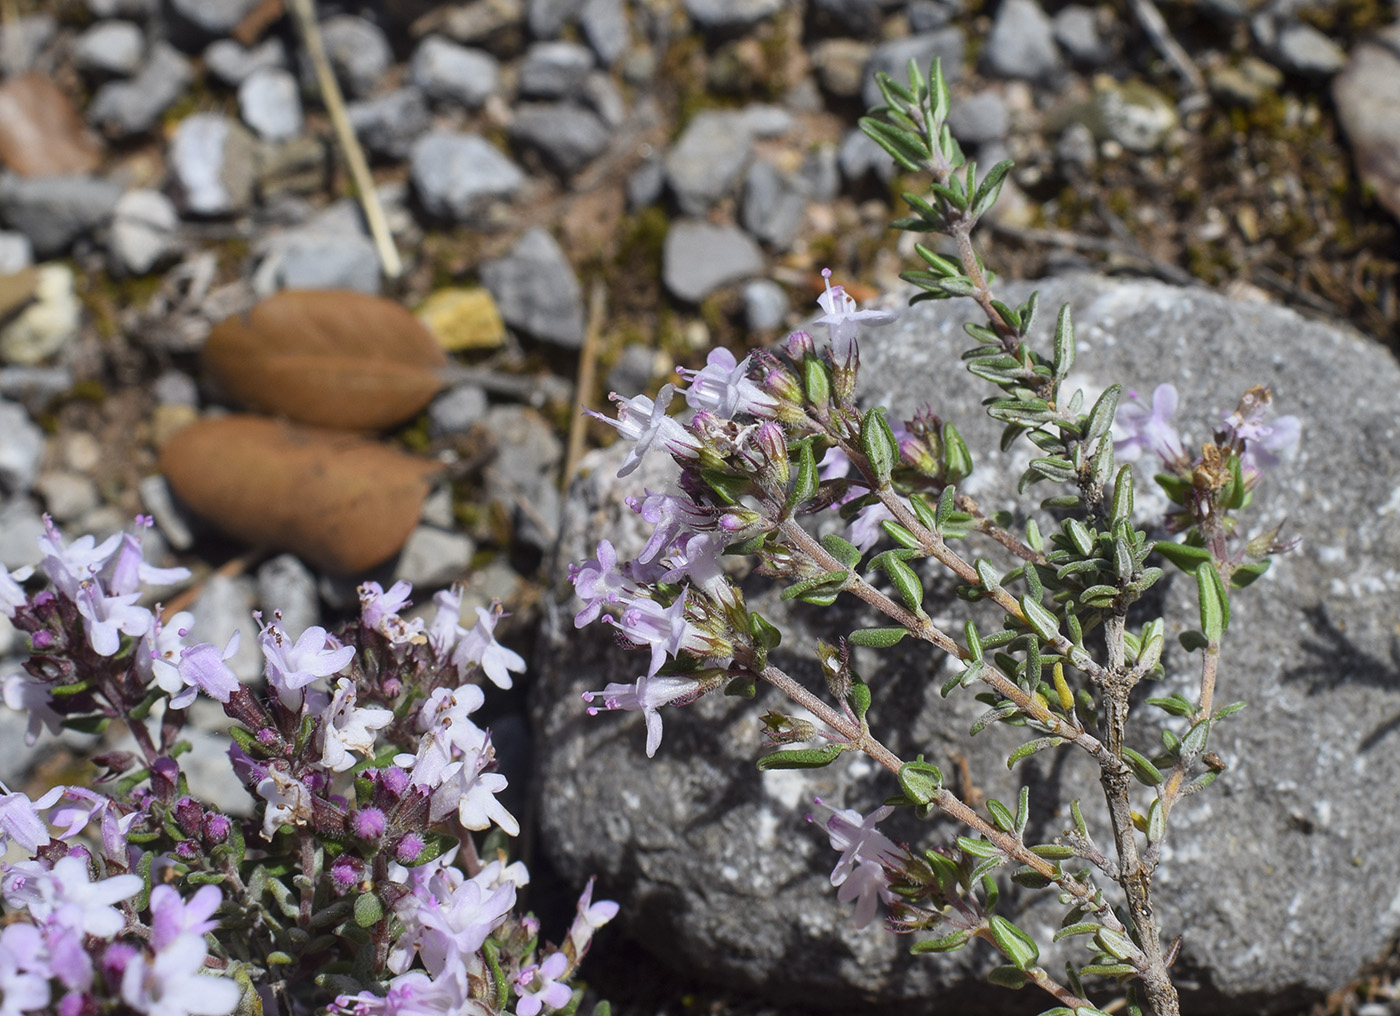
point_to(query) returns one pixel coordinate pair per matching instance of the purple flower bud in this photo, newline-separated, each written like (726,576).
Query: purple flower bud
(42,639)
(189,815)
(409,849)
(216,828)
(369,823)
(75,1003)
(395,780)
(267,736)
(345,874)
(800,346)
(114,960)
(187,850)
(391,686)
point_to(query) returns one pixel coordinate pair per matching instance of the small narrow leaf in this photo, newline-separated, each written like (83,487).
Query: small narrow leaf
(845,552)
(946,943)
(1213,610)
(1018,947)
(878,443)
(1142,768)
(1064,344)
(1101,416)
(368,909)
(921,781)
(807,479)
(877,638)
(801,758)
(1040,620)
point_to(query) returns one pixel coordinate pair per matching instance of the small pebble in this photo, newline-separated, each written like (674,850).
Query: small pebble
(269,101)
(110,47)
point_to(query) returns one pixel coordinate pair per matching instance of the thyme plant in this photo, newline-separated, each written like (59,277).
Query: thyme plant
(775,441)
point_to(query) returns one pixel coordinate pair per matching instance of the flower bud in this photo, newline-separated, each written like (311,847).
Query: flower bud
(409,848)
(836,667)
(800,346)
(189,816)
(771,442)
(368,823)
(216,827)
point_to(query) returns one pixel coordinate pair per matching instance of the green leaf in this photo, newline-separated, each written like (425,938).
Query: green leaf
(1245,574)
(807,479)
(1064,344)
(957,460)
(1123,497)
(900,535)
(847,553)
(1001,816)
(904,148)
(878,443)
(921,781)
(974,671)
(911,590)
(1007,977)
(801,758)
(947,943)
(1018,947)
(1086,928)
(1176,705)
(368,909)
(728,487)
(1156,822)
(816,583)
(1032,747)
(763,631)
(1041,621)
(987,575)
(816,379)
(1215,604)
(1185,556)
(877,638)
(1101,416)
(1053,468)
(859,698)
(990,187)
(1193,640)
(1053,851)
(1116,944)
(1108,970)
(978,848)
(1142,768)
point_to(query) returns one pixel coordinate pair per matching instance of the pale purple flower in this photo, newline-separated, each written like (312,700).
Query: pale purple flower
(415,994)
(471,792)
(858,839)
(648,694)
(288,801)
(723,387)
(479,647)
(867,885)
(172,916)
(380,611)
(864,531)
(67,895)
(171,983)
(200,667)
(69,567)
(128,570)
(24,970)
(664,629)
(446,627)
(672,517)
(1150,430)
(697,556)
(457,920)
(599,581)
(448,712)
(538,986)
(843,319)
(26,694)
(1264,443)
(590,917)
(291,667)
(20,821)
(11,592)
(347,727)
(645,424)
(106,618)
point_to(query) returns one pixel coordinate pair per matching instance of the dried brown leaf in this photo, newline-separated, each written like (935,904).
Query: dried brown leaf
(332,358)
(41,133)
(340,502)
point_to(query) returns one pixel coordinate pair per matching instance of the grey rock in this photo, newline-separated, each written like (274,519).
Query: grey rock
(35,387)
(23,40)
(979,118)
(453,73)
(859,156)
(537,291)
(1303,49)
(645,184)
(53,211)
(681,840)
(856,17)
(554,70)
(172,519)
(929,15)
(699,257)
(634,370)
(1367,94)
(21,526)
(110,47)
(21,448)
(566,137)
(1132,113)
(765,305)
(456,410)
(604,24)
(892,58)
(1076,149)
(1021,43)
(214,17)
(775,205)
(122,8)
(601,94)
(437,508)
(67,495)
(226,606)
(389,124)
(43,327)
(269,101)
(16,252)
(840,65)
(457,176)
(16,762)
(1077,31)
(212,165)
(433,558)
(175,388)
(524,475)
(211,777)
(144,230)
(727,15)
(287,586)
(231,63)
(546,18)
(331,251)
(708,159)
(764,120)
(123,108)
(821,172)
(359,52)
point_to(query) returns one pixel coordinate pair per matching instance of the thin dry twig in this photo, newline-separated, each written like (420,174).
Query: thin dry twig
(1156,28)
(583,386)
(345,135)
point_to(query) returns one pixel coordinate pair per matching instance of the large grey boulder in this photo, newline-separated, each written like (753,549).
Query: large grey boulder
(1280,878)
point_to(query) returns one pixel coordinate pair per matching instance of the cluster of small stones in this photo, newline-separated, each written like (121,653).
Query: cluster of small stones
(508,122)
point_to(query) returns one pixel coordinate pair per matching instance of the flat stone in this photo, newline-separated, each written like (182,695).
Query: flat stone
(53,211)
(892,58)
(286,585)
(389,124)
(215,17)
(1367,94)
(110,47)
(1022,43)
(567,138)
(231,63)
(605,27)
(433,558)
(213,165)
(456,410)
(554,70)
(524,475)
(453,73)
(645,184)
(979,118)
(708,159)
(21,526)
(1077,31)
(359,51)
(144,230)
(537,291)
(457,176)
(226,606)
(840,65)
(22,40)
(123,108)
(1308,649)
(724,15)
(765,305)
(21,447)
(546,18)
(331,251)
(1303,49)
(775,205)
(67,495)
(172,519)
(269,101)
(699,257)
